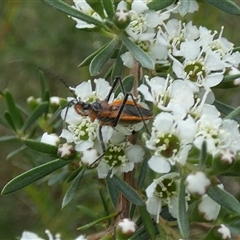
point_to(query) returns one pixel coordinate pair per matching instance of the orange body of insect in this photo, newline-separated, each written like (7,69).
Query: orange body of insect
(119,111)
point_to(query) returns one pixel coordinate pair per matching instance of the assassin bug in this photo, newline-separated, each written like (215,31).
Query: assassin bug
(123,111)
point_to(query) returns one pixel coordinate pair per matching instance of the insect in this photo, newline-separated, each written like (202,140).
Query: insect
(123,111)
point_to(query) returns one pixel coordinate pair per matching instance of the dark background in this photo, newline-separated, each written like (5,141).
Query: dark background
(35,32)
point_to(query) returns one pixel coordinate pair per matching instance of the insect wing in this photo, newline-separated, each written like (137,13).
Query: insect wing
(131,113)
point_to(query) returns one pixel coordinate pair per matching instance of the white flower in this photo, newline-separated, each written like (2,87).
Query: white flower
(84,7)
(170,141)
(119,159)
(197,183)
(217,133)
(208,208)
(126,226)
(30,236)
(54,100)
(51,139)
(168,95)
(163,191)
(224,231)
(65,150)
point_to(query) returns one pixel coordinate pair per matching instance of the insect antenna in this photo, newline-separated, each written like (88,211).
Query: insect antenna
(49,73)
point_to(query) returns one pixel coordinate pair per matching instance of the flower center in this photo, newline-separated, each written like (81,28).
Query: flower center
(85,130)
(168,145)
(166,188)
(194,70)
(115,155)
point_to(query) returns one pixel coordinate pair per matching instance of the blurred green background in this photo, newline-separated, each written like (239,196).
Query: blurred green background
(33,31)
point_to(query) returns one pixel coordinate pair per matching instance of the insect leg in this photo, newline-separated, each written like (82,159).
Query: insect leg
(122,107)
(115,82)
(102,146)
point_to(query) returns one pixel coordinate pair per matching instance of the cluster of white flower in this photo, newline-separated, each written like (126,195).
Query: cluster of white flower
(84,134)
(185,116)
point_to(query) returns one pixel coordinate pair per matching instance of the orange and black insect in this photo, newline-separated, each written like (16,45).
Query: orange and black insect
(122,111)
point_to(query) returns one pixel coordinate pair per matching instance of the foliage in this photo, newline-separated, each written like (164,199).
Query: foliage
(186,145)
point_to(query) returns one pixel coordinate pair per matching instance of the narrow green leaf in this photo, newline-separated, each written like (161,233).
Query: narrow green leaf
(127,84)
(228,82)
(3,122)
(127,191)
(44,89)
(109,7)
(9,121)
(113,192)
(13,110)
(184,7)
(203,156)
(226,6)
(113,215)
(41,147)
(147,222)
(118,64)
(72,189)
(97,7)
(142,174)
(89,58)
(159,5)
(235,113)
(105,203)
(102,57)
(65,8)
(35,114)
(182,219)
(7,138)
(142,57)
(72,175)
(226,110)
(33,175)
(15,152)
(224,199)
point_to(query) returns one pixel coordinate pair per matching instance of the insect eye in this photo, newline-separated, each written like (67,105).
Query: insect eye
(86,106)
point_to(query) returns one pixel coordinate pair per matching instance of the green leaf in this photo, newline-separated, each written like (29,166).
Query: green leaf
(183,222)
(65,8)
(127,191)
(118,64)
(147,222)
(88,59)
(72,175)
(7,138)
(105,203)
(73,189)
(224,199)
(109,7)
(235,113)
(142,57)
(203,156)
(127,83)
(184,7)
(35,114)
(159,5)
(226,6)
(9,121)
(228,82)
(15,152)
(13,110)
(102,57)
(113,192)
(41,147)
(33,175)
(226,110)
(113,215)
(97,7)
(3,122)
